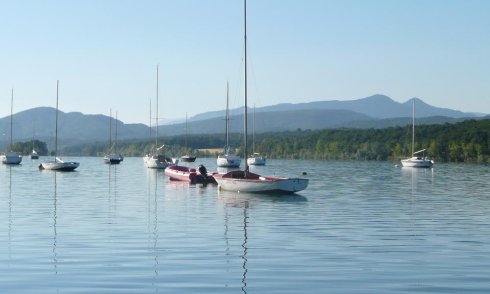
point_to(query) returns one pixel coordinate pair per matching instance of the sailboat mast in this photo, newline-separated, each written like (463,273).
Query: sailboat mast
(245,111)
(253,138)
(156,117)
(115,136)
(227,125)
(11,116)
(186,132)
(413,126)
(150,119)
(110,128)
(56,125)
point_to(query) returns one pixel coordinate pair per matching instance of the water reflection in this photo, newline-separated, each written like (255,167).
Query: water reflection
(10,215)
(55,234)
(245,249)
(241,199)
(245,204)
(153,224)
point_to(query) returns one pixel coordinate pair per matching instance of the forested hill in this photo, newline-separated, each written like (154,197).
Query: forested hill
(466,141)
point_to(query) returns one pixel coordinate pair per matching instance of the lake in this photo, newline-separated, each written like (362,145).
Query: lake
(360,227)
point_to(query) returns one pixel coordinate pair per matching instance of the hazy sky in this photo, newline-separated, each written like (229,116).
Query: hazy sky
(105,53)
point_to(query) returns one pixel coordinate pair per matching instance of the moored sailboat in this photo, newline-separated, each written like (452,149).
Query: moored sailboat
(187,157)
(228,158)
(11,157)
(34,154)
(256,158)
(156,159)
(418,158)
(58,164)
(112,157)
(244,180)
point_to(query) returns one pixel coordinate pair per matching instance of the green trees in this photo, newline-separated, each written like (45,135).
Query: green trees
(25,148)
(467,141)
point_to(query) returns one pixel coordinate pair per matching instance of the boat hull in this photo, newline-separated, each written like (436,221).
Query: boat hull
(11,158)
(181,173)
(59,165)
(256,160)
(228,161)
(158,161)
(113,158)
(417,162)
(252,183)
(187,158)
(187,174)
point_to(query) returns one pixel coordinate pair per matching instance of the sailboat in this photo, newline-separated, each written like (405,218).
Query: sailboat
(255,158)
(58,164)
(187,158)
(244,180)
(34,154)
(157,159)
(418,158)
(11,157)
(228,159)
(113,157)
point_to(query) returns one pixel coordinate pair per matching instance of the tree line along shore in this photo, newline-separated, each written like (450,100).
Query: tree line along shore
(466,141)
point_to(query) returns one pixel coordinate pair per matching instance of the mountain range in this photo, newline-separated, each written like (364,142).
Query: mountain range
(376,111)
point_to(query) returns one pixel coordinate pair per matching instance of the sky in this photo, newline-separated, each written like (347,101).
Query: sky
(105,54)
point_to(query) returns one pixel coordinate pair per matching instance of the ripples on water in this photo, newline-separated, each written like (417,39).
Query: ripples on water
(360,227)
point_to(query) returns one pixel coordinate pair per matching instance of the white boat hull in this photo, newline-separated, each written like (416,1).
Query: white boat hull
(258,184)
(159,161)
(417,162)
(256,160)
(228,160)
(59,165)
(11,158)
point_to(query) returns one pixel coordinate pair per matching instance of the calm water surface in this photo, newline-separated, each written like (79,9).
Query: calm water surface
(360,227)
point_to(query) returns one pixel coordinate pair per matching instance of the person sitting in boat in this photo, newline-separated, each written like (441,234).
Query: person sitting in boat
(202,170)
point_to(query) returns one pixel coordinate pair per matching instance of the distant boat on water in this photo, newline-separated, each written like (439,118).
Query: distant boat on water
(34,154)
(228,158)
(11,157)
(187,158)
(418,158)
(58,164)
(256,158)
(112,157)
(156,159)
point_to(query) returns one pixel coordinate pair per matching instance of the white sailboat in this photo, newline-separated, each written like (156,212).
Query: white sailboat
(418,158)
(256,158)
(187,157)
(11,157)
(34,154)
(244,180)
(157,160)
(228,158)
(112,157)
(58,164)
